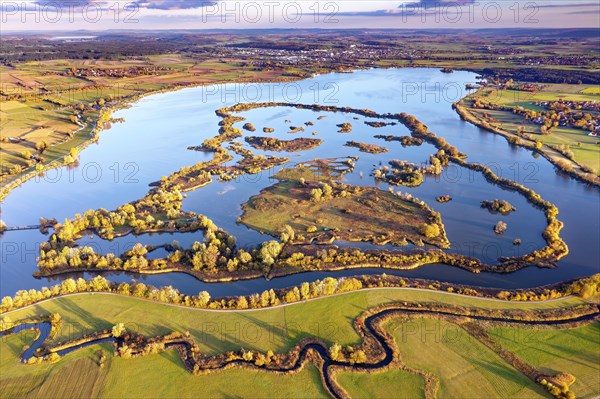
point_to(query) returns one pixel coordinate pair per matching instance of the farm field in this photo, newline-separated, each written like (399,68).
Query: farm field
(381,384)
(464,366)
(575,350)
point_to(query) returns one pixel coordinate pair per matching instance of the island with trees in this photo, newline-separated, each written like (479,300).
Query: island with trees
(274,144)
(312,208)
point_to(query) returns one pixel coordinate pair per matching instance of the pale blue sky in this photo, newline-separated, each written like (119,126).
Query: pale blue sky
(228,14)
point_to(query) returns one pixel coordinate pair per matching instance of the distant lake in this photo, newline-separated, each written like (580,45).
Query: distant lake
(73,38)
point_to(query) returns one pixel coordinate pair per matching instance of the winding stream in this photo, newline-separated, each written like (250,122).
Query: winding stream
(157,130)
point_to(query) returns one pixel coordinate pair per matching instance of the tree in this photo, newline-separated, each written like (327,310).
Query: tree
(42,146)
(5,323)
(334,351)
(118,330)
(430,230)
(139,290)
(207,256)
(203,299)
(292,295)
(288,234)
(273,300)
(55,318)
(316,194)
(68,286)
(210,256)
(358,356)
(138,250)
(242,303)
(7,303)
(329,285)
(244,256)
(264,299)
(248,356)
(327,190)
(305,290)
(99,283)
(269,251)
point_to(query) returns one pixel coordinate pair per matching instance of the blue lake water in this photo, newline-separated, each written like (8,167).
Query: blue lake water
(153,142)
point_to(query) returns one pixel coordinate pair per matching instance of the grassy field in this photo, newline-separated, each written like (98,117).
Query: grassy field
(576,351)
(465,367)
(48,380)
(78,375)
(385,384)
(276,329)
(584,147)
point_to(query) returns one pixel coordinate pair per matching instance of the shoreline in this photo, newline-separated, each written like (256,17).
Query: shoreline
(551,155)
(10,183)
(563,291)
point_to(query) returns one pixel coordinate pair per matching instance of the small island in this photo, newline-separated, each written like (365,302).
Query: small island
(380,124)
(406,141)
(249,127)
(402,173)
(365,147)
(296,129)
(274,144)
(498,206)
(345,127)
(444,198)
(500,228)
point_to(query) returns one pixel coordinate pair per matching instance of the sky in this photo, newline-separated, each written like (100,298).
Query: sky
(98,15)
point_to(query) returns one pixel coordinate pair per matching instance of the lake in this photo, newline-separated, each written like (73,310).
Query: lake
(153,142)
